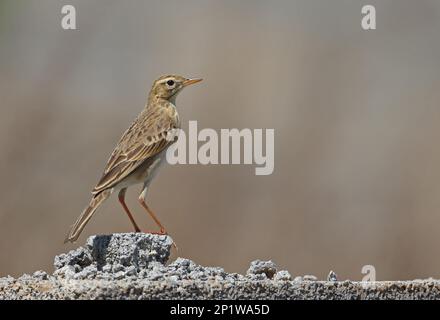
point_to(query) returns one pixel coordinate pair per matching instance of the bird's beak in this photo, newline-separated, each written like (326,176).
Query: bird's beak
(187,82)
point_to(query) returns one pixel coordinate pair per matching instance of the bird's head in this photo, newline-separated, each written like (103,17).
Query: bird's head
(167,87)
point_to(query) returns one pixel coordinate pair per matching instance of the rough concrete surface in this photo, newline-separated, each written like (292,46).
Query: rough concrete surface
(134,266)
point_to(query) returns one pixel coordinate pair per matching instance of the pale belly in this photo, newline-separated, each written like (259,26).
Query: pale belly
(145,173)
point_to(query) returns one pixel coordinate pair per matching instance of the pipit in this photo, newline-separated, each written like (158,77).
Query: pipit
(139,153)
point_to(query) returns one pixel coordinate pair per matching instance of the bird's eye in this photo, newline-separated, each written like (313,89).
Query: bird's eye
(170,83)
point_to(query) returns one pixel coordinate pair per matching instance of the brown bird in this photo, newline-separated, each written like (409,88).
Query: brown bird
(140,152)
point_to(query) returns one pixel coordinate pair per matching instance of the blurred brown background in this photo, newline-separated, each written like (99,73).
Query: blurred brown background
(356,116)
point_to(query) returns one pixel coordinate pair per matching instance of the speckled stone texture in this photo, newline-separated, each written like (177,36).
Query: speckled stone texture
(134,266)
(114,257)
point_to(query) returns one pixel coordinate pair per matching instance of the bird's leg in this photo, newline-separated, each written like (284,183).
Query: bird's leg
(121,197)
(143,204)
(162,229)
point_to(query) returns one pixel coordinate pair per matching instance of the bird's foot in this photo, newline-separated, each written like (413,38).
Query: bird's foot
(162,232)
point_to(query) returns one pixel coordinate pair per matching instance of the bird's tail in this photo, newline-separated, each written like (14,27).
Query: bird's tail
(85,216)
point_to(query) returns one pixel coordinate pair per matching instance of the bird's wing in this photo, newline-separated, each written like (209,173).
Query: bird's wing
(147,136)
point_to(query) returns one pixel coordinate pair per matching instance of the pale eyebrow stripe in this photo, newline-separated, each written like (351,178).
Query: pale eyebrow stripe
(165,80)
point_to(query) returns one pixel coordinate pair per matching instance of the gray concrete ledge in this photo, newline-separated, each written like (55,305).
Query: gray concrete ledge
(134,266)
